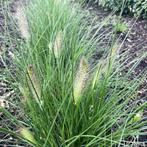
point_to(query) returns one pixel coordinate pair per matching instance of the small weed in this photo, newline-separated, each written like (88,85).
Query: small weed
(120,27)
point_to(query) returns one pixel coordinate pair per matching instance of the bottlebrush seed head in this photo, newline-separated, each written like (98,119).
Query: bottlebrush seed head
(80,79)
(24,92)
(33,82)
(22,21)
(26,134)
(58,44)
(137,117)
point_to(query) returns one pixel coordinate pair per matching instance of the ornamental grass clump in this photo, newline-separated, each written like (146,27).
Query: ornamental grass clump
(66,101)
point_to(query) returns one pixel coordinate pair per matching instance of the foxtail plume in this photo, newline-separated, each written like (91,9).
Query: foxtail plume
(80,79)
(33,83)
(22,21)
(57,48)
(26,134)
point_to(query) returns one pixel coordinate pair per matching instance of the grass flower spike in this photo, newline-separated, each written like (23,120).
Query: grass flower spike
(26,134)
(33,83)
(24,92)
(114,50)
(22,21)
(58,44)
(80,79)
(57,2)
(137,117)
(96,76)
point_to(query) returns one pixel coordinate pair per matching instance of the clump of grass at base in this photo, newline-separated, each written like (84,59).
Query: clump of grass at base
(119,26)
(100,116)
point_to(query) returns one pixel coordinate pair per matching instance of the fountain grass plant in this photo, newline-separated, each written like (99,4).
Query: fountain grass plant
(65,101)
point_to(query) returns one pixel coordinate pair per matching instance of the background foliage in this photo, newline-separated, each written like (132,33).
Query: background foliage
(134,7)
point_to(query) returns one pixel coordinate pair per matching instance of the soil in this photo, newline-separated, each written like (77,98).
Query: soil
(135,43)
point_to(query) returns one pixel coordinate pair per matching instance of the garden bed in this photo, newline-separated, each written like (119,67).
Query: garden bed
(135,42)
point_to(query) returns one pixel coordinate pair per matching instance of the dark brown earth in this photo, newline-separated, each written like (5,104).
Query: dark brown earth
(135,42)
